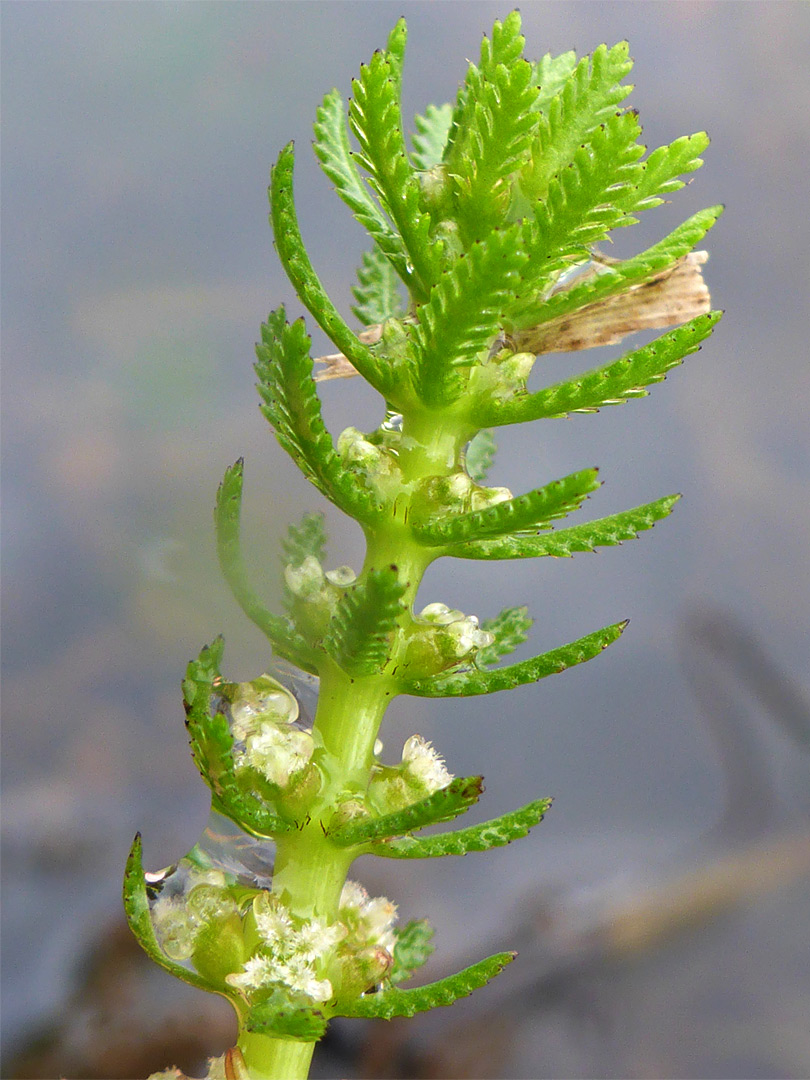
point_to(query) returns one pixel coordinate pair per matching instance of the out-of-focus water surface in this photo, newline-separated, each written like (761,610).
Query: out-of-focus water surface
(137,266)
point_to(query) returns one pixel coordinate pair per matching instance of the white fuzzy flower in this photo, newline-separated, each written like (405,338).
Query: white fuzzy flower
(277,752)
(425,764)
(315,939)
(353,895)
(258,972)
(300,976)
(272,921)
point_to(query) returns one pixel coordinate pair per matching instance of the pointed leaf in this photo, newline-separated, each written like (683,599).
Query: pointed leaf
(488,834)
(282,636)
(374,117)
(294,259)
(495,131)
(533,509)
(616,298)
(443,805)
(308,538)
(472,682)
(292,406)
(661,171)
(479,456)
(212,749)
(136,907)
(413,949)
(333,151)
(563,543)
(430,136)
(611,385)
(588,98)
(359,636)
(511,629)
(376,293)
(464,314)
(387,1004)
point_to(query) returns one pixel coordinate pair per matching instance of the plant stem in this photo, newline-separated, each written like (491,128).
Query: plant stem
(309,871)
(275,1059)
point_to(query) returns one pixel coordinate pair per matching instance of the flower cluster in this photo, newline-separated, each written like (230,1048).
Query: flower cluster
(421,772)
(315,960)
(264,724)
(179,920)
(442,637)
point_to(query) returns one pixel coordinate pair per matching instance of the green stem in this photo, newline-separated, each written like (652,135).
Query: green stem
(275,1059)
(309,871)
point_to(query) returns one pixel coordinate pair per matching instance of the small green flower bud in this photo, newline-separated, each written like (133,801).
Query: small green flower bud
(302,787)
(175,928)
(220,948)
(347,812)
(307,580)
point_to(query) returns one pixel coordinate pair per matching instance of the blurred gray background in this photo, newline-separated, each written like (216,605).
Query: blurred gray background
(138,265)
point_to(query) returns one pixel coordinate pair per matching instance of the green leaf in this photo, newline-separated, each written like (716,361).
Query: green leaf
(511,629)
(412,950)
(333,151)
(551,74)
(308,538)
(473,682)
(479,456)
(613,279)
(533,509)
(611,385)
(488,834)
(281,634)
(430,136)
(212,748)
(294,259)
(282,1017)
(136,907)
(387,1004)
(359,636)
(661,171)
(443,805)
(376,293)
(563,543)
(588,98)
(464,314)
(581,205)
(495,130)
(374,117)
(292,406)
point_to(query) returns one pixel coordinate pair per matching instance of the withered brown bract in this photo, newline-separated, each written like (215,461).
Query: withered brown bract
(669,298)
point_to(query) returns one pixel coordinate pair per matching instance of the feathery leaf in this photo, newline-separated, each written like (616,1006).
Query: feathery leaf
(294,259)
(334,153)
(511,629)
(376,291)
(430,136)
(482,837)
(412,950)
(531,510)
(394,1002)
(443,805)
(464,314)
(472,682)
(611,385)
(359,636)
(136,907)
(286,641)
(562,543)
(292,406)
(374,117)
